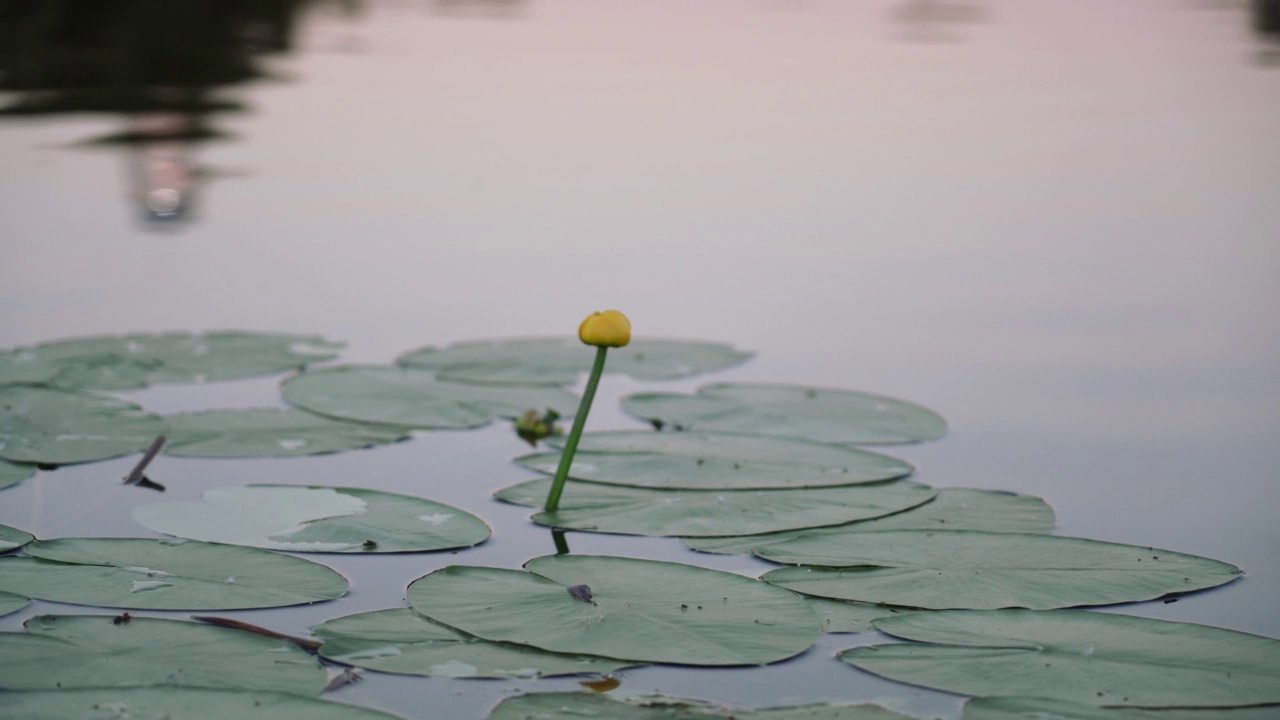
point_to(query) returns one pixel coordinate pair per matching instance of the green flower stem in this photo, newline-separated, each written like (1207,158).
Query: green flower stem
(579,421)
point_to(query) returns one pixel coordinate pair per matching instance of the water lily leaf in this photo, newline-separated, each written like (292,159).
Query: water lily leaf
(793,411)
(641,610)
(560,360)
(952,509)
(13,473)
(263,432)
(174,702)
(166,575)
(1013,708)
(839,616)
(688,513)
(402,641)
(1078,655)
(975,570)
(573,706)
(76,651)
(131,361)
(716,461)
(304,518)
(11,603)
(13,538)
(57,426)
(411,397)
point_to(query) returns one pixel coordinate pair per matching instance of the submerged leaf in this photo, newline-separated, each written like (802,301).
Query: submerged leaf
(58,427)
(1077,655)
(173,702)
(13,473)
(573,706)
(304,518)
(263,432)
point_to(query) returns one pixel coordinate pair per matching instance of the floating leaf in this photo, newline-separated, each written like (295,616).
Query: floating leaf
(643,511)
(720,461)
(57,426)
(640,610)
(560,360)
(839,616)
(996,708)
(11,603)
(166,575)
(304,518)
(13,538)
(975,570)
(952,509)
(1078,655)
(174,702)
(13,473)
(76,651)
(573,706)
(131,361)
(793,411)
(402,641)
(414,398)
(263,432)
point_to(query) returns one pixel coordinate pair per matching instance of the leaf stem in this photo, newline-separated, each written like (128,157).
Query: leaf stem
(579,421)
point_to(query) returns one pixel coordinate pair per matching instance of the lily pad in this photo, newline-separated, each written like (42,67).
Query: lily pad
(688,513)
(77,651)
(573,706)
(1077,655)
(263,432)
(963,569)
(952,509)
(13,473)
(839,616)
(131,361)
(560,360)
(173,702)
(57,427)
(402,641)
(166,575)
(12,603)
(411,397)
(640,610)
(793,411)
(13,538)
(996,708)
(721,461)
(304,518)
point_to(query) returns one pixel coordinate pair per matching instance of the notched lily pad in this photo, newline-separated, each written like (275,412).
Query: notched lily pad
(304,518)
(975,570)
(839,616)
(13,473)
(1076,655)
(166,575)
(173,702)
(402,641)
(410,397)
(793,411)
(264,432)
(572,706)
(688,513)
(722,461)
(57,427)
(640,610)
(560,360)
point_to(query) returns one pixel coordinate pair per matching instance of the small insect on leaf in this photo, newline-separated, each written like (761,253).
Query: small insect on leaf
(121,619)
(582,592)
(369,544)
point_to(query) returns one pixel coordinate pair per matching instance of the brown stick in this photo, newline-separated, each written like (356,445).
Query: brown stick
(305,644)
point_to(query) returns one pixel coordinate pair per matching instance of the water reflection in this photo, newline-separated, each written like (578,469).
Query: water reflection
(937,20)
(479,8)
(1265,18)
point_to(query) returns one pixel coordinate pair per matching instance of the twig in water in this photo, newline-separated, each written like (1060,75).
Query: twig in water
(308,645)
(135,477)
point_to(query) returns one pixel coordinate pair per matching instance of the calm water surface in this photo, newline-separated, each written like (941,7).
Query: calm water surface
(1055,222)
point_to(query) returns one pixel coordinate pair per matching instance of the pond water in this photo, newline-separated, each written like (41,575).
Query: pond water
(1054,222)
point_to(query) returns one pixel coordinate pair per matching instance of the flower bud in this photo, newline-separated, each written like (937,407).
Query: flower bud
(605,329)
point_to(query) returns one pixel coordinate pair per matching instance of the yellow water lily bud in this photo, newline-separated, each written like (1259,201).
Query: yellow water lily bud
(605,329)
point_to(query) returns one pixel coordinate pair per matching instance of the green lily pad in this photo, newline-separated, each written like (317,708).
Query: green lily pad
(1077,655)
(13,538)
(560,360)
(640,610)
(57,427)
(573,706)
(12,603)
(410,397)
(996,708)
(174,702)
(263,432)
(705,461)
(13,473)
(952,509)
(839,616)
(688,513)
(131,361)
(402,641)
(793,411)
(77,651)
(166,575)
(304,518)
(963,569)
